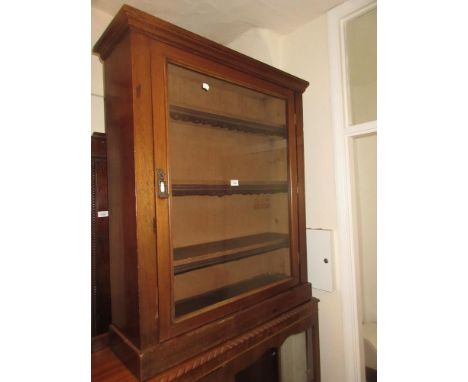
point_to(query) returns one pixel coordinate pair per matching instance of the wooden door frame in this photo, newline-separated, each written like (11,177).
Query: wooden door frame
(346,227)
(162,54)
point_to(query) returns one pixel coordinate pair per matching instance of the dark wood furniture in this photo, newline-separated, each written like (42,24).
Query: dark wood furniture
(206,205)
(371,374)
(106,367)
(100,277)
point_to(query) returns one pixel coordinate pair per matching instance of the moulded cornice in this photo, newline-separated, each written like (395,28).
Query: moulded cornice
(131,19)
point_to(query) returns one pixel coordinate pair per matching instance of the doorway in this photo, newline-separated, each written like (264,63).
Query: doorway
(364,174)
(353,66)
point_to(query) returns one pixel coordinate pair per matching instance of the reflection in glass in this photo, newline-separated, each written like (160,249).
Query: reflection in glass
(229,189)
(293,356)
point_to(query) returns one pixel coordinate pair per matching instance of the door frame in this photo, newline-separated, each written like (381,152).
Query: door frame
(170,326)
(346,225)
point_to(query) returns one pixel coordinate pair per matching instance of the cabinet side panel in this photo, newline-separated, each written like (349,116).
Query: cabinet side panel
(301,188)
(121,178)
(145,189)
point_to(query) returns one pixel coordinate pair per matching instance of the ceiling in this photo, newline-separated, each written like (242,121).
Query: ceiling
(225,20)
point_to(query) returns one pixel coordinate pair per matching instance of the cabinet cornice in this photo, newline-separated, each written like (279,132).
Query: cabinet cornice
(131,19)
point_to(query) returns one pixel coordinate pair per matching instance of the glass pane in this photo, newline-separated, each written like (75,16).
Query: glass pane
(293,358)
(361,48)
(229,190)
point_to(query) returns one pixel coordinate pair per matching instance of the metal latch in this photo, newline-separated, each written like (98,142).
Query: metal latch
(163,192)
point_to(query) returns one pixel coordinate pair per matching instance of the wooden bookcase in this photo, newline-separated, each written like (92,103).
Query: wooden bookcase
(206,204)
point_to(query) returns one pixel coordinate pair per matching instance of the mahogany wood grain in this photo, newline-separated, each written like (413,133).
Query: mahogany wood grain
(227,362)
(129,18)
(100,277)
(214,296)
(263,369)
(106,367)
(207,254)
(293,188)
(162,221)
(98,145)
(313,349)
(247,356)
(301,210)
(100,342)
(234,354)
(227,189)
(171,352)
(161,54)
(118,95)
(145,179)
(197,117)
(206,279)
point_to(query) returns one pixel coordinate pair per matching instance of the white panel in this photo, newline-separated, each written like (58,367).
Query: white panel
(97,82)
(320,258)
(97,114)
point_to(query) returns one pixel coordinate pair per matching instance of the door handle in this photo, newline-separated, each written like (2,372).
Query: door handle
(163,192)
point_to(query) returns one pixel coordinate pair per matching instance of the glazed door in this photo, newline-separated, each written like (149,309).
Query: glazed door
(226,186)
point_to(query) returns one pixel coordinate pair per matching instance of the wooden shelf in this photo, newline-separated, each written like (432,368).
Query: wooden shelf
(184,114)
(226,189)
(206,299)
(198,256)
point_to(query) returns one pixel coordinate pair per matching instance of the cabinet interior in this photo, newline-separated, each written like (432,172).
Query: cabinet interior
(229,184)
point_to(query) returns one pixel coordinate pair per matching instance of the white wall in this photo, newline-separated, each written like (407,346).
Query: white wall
(99,22)
(261,44)
(305,54)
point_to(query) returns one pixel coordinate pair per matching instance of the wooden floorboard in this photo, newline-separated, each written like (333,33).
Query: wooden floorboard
(106,367)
